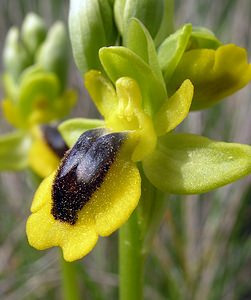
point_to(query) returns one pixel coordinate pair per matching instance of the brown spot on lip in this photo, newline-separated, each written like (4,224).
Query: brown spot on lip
(82,172)
(54,140)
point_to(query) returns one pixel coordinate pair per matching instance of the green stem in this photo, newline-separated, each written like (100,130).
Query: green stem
(135,239)
(131,260)
(70,287)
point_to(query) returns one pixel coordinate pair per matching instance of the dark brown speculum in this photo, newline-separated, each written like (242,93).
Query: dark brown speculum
(54,140)
(82,172)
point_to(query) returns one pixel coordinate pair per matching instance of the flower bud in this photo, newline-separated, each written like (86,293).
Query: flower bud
(91,27)
(15,56)
(33,32)
(53,54)
(149,12)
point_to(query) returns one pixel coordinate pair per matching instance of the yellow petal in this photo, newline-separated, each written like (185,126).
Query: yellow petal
(215,74)
(175,109)
(11,113)
(102,92)
(117,198)
(44,188)
(109,207)
(42,159)
(43,232)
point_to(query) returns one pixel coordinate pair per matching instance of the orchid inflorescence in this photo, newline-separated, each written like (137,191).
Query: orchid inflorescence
(144,81)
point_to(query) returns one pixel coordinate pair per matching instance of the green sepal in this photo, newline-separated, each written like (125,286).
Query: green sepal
(14,151)
(122,62)
(102,92)
(33,32)
(91,27)
(139,40)
(73,128)
(172,49)
(192,164)
(30,72)
(53,55)
(149,12)
(202,37)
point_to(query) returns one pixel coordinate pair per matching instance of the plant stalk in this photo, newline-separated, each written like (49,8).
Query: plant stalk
(135,239)
(70,287)
(131,260)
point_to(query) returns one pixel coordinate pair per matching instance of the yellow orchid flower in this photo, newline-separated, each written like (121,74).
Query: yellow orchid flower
(46,150)
(98,185)
(95,191)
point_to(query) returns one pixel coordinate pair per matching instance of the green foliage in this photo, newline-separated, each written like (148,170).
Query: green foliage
(13,151)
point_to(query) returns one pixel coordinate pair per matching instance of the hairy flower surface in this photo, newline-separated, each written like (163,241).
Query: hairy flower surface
(95,190)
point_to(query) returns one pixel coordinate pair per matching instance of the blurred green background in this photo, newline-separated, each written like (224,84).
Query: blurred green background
(203,248)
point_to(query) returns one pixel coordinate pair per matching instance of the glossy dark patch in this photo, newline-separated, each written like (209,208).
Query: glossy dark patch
(82,172)
(54,140)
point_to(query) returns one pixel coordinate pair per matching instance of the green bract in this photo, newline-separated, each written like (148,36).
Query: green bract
(91,27)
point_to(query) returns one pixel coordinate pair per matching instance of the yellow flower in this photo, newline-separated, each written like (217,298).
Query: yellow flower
(98,184)
(215,74)
(93,194)
(47,148)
